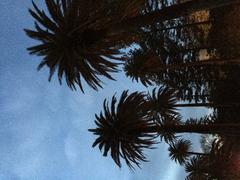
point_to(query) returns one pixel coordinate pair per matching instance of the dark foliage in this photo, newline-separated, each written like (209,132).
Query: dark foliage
(74,40)
(215,165)
(196,168)
(178,151)
(135,66)
(122,129)
(162,102)
(168,136)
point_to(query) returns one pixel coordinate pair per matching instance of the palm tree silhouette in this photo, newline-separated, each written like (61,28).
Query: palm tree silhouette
(128,127)
(73,43)
(142,64)
(181,150)
(214,164)
(163,101)
(197,168)
(121,129)
(148,62)
(79,41)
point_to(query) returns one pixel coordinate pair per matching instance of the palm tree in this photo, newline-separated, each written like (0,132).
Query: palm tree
(197,168)
(76,39)
(164,102)
(121,130)
(201,168)
(73,44)
(181,150)
(128,127)
(174,11)
(141,64)
(150,63)
(214,165)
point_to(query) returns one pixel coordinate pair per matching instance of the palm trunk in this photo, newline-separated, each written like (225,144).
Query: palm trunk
(174,11)
(186,25)
(227,129)
(167,13)
(204,105)
(149,105)
(192,64)
(197,154)
(193,49)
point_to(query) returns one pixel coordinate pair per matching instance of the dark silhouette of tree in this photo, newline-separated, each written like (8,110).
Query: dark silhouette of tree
(197,169)
(224,34)
(181,150)
(128,127)
(173,11)
(170,54)
(122,130)
(72,43)
(78,40)
(149,62)
(213,165)
(163,101)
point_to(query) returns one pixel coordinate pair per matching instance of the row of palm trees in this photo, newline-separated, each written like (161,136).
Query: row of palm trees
(127,127)
(83,41)
(183,54)
(78,41)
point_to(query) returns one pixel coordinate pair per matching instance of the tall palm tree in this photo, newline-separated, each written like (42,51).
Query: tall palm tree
(72,42)
(76,39)
(128,127)
(141,64)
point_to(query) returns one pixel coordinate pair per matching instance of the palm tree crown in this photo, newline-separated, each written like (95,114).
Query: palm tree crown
(197,168)
(135,66)
(162,101)
(127,127)
(122,129)
(74,39)
(178,151)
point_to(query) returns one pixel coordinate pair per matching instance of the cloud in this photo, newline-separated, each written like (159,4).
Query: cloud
(87,162)
(71,150)
(29,167)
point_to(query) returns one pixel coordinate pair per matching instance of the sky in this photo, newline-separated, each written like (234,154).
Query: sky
(43,126)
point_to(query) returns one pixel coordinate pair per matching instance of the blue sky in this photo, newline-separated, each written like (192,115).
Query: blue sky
(43,126)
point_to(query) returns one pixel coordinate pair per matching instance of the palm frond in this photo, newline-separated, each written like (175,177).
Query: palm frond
(162,102)
(74,41)
(123,129)
(208,119)
(168,136)
(213,166)
(221,151)
(197,169)
(135,67)
(178,151)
